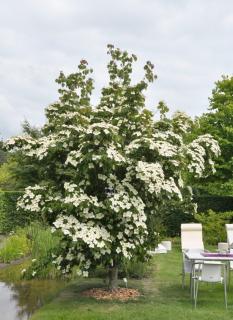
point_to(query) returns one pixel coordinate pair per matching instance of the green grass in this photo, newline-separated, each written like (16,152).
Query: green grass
(14,247)
(42,240)
(162,299)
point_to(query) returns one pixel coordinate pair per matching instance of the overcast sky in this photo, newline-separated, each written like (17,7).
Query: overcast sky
(189,41)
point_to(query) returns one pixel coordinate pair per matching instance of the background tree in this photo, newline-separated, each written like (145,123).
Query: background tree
(219,123)
(3,154)
(16,173)
(105,172)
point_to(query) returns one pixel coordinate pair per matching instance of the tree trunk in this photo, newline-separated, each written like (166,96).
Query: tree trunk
(113,278)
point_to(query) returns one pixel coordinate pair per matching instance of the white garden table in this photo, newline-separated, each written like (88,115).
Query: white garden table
(202,257)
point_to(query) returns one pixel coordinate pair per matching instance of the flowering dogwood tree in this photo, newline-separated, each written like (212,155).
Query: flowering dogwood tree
(106,170)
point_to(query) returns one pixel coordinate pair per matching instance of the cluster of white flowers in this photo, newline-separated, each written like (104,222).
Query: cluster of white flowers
(212,144)
(45,144)
(169,135)
(70,187)
(78,197)
(152,174)
(74,114)
(171,187)
(74,158)
(182,121)
(164,148)
(31,200)
(94,236)
(40,147)
(105,127)
(59,111)
(131,209)
(105,108)
(73,128)
(33,147)
(24,142)
(129,187)
(53,106)
(197,151)
(113,154)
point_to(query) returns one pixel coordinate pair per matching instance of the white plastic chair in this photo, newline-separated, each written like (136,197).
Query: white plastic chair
(229,229)
(211,273)
(191,236)
(191,240)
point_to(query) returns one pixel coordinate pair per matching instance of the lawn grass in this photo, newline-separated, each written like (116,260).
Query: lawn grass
(163,298)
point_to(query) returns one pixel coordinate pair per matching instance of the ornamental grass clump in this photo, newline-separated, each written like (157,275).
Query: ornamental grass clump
(105,170)
(15,246)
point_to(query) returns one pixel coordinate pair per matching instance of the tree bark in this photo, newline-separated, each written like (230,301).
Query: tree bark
(113,278)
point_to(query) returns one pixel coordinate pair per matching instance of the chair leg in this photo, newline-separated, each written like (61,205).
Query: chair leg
(192,282)
(225,287)
(229,275)
(195,294)
(191,285)
(183,278)
(183,274)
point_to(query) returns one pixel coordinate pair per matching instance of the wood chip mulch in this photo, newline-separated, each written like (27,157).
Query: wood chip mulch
(122,294)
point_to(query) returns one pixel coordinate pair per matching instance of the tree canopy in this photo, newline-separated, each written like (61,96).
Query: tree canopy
(219,123)
(104,172)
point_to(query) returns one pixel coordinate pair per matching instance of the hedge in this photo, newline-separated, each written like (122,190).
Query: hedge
(10,218)
(215,203)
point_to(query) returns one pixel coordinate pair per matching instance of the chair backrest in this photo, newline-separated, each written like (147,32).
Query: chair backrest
(211,272)
(229,229)
(191,236)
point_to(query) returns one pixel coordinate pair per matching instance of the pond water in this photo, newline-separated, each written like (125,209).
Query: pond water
(19,300)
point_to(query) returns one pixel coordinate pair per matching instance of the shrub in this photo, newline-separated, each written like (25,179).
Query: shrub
(173,214)
(10,218)
(135,269)
(214,202)
(14,247)
(129,269)
(214,225)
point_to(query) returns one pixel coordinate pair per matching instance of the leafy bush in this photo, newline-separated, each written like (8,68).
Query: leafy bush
(129,269)
(41,269)
(214,202)
(15,246)
(10,218)
(7,181)
(213,223)
(173,214)
(135,269)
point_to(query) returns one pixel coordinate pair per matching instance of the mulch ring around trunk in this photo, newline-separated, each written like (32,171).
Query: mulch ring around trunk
(122,294)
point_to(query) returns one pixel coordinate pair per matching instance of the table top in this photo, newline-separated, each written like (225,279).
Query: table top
(199,256)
